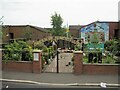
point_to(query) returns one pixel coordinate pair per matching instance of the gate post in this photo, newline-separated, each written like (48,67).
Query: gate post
(37,61)
(78,62)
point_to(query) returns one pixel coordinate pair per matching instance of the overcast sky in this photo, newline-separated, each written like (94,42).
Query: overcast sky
(73,12)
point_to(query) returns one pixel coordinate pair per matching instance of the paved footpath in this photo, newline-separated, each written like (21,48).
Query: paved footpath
(60,78)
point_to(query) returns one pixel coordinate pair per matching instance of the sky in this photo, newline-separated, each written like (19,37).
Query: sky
(73,12)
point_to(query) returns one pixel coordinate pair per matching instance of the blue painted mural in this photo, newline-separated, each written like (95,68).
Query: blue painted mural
(101,28)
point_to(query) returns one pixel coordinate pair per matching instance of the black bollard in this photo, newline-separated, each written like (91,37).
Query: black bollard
(57,62)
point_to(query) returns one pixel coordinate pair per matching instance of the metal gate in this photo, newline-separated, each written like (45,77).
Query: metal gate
(65,63)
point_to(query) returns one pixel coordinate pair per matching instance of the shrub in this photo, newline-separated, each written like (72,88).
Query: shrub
(39,45)
(19,50)
(113,46)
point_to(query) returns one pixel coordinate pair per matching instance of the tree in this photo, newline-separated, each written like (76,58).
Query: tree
(56,22)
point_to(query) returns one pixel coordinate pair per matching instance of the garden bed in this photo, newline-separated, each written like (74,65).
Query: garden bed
(107,59)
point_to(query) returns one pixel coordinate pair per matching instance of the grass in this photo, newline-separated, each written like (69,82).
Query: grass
(85,59)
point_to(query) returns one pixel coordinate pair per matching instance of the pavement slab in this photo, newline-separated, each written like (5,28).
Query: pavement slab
(61,78)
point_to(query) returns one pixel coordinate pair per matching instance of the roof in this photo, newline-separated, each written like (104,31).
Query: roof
(100,22)
(77,27)
(35,27)
(74,27)
(39,28)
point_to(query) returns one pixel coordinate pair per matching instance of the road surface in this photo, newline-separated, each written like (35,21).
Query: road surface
(28,85)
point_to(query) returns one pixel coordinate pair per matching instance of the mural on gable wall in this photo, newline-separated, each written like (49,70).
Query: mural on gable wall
(102,30)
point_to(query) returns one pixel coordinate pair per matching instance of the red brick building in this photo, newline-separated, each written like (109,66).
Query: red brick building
(36,33)
(74,30)
(119,30)
(23,32)
(114,29)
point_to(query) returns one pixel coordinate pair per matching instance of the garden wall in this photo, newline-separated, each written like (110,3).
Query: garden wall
(22,66)
(80,68)
(34,66)
(100,68)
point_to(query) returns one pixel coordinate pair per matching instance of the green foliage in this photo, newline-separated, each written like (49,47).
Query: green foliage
(17,51)
(105,60)
(85,59)
(47,54)
(56,22)
(52,49)
(113,46)
(45,49)
(43,61)
(108,59)
(77,47)
(39,45)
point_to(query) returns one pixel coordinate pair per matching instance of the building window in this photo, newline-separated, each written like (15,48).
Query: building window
(11,35)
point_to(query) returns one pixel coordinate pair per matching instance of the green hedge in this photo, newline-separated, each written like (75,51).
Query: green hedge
(18,50)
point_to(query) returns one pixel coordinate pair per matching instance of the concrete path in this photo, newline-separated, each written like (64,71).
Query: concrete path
(64,58)
(61,78)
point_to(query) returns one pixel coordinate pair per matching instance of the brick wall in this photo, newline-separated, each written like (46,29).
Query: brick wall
(17,66)
(100,69)
(119,30)
(5,31)
(74,33)
(112,27)
(37,65)
(37,34)
(24,66)
(80,68)
(74,30)
(19,32)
